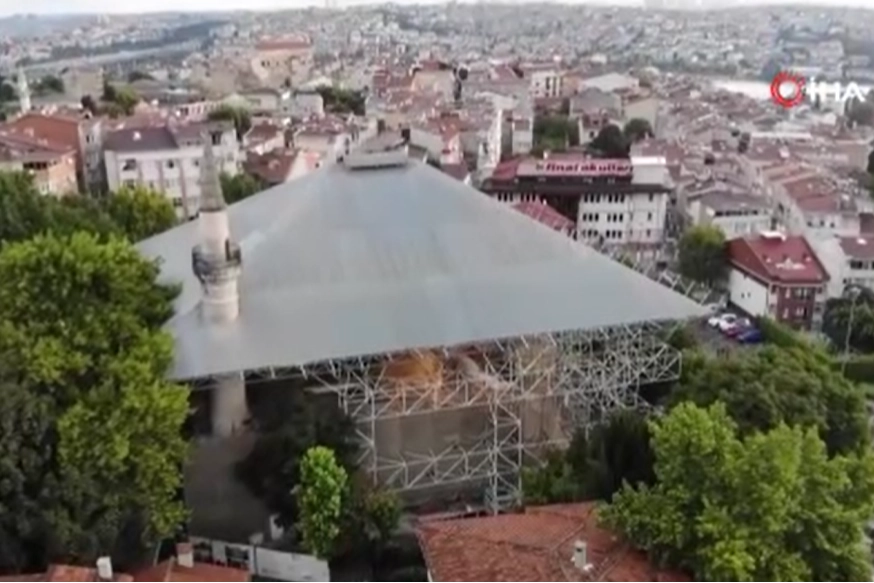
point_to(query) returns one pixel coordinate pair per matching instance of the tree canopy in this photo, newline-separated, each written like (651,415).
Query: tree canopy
(24,212)
(774,385)
(289,423)
(342,101)
(140,213)
(769,506)
(702,254)
(320,499)
(555,133)
(596,464)
(637,129)
(240,186)
(239,116)
(611,142)
(95,446)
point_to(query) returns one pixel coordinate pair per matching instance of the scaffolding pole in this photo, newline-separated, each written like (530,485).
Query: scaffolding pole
(533,392)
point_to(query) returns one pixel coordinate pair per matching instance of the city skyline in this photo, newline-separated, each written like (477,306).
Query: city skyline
(54,7)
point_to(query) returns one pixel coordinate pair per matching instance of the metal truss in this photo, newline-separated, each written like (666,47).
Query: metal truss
(650,267)
(532,392)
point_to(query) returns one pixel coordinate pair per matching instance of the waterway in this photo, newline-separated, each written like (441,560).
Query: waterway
(755,89)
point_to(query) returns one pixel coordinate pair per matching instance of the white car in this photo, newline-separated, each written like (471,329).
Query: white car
(722,321)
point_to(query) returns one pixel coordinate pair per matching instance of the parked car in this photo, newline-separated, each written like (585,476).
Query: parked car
(739,326)
(721,319)
(751,336)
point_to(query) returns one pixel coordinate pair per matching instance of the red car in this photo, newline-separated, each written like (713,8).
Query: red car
(738,327)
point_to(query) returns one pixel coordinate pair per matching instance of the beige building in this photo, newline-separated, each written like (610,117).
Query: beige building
(168,158)
(51,165)
(283,62)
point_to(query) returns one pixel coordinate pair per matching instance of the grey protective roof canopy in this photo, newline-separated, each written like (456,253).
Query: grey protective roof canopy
(344,263)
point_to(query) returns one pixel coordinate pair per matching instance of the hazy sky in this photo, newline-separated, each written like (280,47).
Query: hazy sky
(8,7)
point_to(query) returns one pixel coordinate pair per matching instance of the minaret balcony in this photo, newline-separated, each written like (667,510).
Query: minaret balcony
(216,267)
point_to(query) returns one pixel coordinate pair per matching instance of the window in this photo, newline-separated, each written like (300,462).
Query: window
(171,164)
(129,164)
(177,201)
(130,183)
(649,216)
(648,233)
(651,197)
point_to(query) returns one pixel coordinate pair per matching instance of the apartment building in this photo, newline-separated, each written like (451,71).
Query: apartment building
(167,159)
(848,260)
(778,275)
(611,202)
(738,215)
(72,129)
(52,166)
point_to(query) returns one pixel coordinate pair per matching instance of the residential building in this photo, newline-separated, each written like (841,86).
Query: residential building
(544,80)
(283,62)
(777,275)
(167,159)
(848,260)
(613,202)
(73,129)
(278,166)
(51,165)
(83,80)
(738,215)
(562,542)
(521,137)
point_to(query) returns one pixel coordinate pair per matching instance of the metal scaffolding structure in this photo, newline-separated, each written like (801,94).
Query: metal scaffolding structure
(532,393)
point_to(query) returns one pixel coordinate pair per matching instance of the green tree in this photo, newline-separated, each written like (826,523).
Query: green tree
(140,213)
(552,482)
(836,320)
(127,99)
(49,84)
(702,254)
(240,186)
(637,129)
(288,423)
(28,484)
(612,454)
(768,507)
(342,101)
(611,143)
(555,133)
(320,499)
(239,116)
(137,75)
(79,330)
(371,518)
(764,388)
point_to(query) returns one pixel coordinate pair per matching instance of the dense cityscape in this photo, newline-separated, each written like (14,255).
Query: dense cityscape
(448,292)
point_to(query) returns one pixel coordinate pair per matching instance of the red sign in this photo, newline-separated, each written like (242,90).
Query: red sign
(576,168)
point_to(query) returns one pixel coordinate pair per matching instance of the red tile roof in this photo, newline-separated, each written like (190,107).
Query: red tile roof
(66,573)
(543,213)
(536,545)
(170,570)
(777,259)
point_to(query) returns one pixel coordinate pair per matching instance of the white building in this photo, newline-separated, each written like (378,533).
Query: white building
(613,202)
(736,214)
(849,261)
(167,159)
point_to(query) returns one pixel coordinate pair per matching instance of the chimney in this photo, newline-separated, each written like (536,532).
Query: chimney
(104,569)
(185,555)
(581,557)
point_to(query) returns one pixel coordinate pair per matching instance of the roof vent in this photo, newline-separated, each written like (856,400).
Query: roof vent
(375,160)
